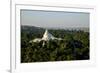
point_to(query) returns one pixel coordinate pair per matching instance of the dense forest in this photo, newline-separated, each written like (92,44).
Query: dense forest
(75,45)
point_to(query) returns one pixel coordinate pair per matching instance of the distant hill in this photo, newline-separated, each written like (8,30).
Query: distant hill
(31,28)
(40,29)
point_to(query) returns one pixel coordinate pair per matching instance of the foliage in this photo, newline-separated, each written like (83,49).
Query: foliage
(75,46)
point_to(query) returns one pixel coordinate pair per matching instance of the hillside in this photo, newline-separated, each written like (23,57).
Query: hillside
(74,47)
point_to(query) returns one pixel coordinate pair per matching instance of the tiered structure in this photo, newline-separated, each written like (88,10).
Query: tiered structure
(46,37)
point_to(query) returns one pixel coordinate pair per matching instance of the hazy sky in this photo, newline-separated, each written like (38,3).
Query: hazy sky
(51,19)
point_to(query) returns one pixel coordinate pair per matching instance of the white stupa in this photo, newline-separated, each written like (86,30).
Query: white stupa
(46,37)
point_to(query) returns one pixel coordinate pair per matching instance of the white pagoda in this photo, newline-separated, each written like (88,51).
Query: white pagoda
(46,37)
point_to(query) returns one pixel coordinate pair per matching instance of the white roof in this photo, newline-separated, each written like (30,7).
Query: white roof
(36,40)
